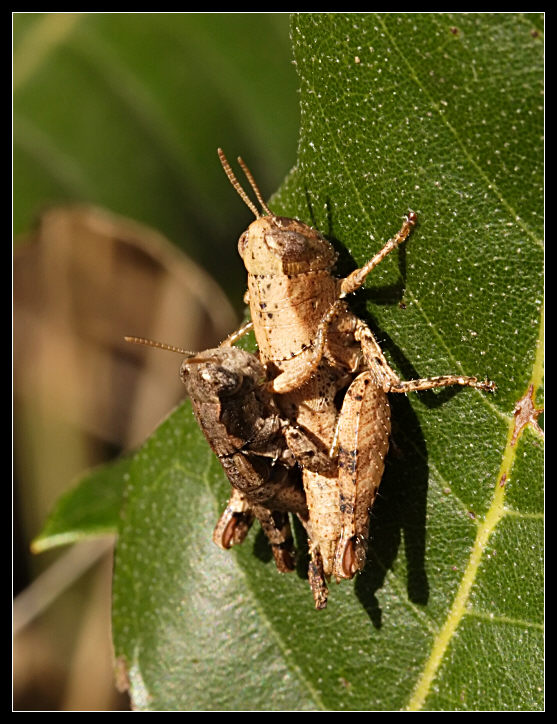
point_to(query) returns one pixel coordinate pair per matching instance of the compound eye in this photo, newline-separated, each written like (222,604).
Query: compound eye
(242,243)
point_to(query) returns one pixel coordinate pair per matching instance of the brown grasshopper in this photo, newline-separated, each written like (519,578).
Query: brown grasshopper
(240,420)
(328,373)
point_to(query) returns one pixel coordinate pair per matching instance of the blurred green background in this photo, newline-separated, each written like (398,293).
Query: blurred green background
(121,114)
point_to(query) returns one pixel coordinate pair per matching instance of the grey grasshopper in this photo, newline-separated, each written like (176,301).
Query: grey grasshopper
(328,374)
(240,420)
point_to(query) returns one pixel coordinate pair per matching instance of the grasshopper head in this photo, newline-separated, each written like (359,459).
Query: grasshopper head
(275,244)
(221,373)
(214,373)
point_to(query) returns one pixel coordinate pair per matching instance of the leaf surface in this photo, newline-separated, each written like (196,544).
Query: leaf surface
(89,510)
(441,114)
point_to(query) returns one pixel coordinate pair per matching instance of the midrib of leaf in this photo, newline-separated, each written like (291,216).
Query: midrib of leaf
(495,513)
(490,185)
(497,510)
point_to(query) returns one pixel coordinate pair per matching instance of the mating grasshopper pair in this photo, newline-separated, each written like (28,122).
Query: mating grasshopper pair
(313,405)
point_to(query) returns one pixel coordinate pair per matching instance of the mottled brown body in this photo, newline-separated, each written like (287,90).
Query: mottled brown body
(329,376)
(240,420)
(241,423)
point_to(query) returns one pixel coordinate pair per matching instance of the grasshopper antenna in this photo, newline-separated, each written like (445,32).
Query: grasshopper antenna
(254,186)
(159,345)
(236,184)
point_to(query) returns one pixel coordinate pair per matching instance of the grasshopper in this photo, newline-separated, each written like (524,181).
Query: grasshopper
(328,374)
(240,421)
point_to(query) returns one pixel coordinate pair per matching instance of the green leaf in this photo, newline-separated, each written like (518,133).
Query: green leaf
(89,510)
(441,114)
(187,616)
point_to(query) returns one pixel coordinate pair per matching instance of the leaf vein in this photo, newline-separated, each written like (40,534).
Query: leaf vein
(498,618)
(459,607)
